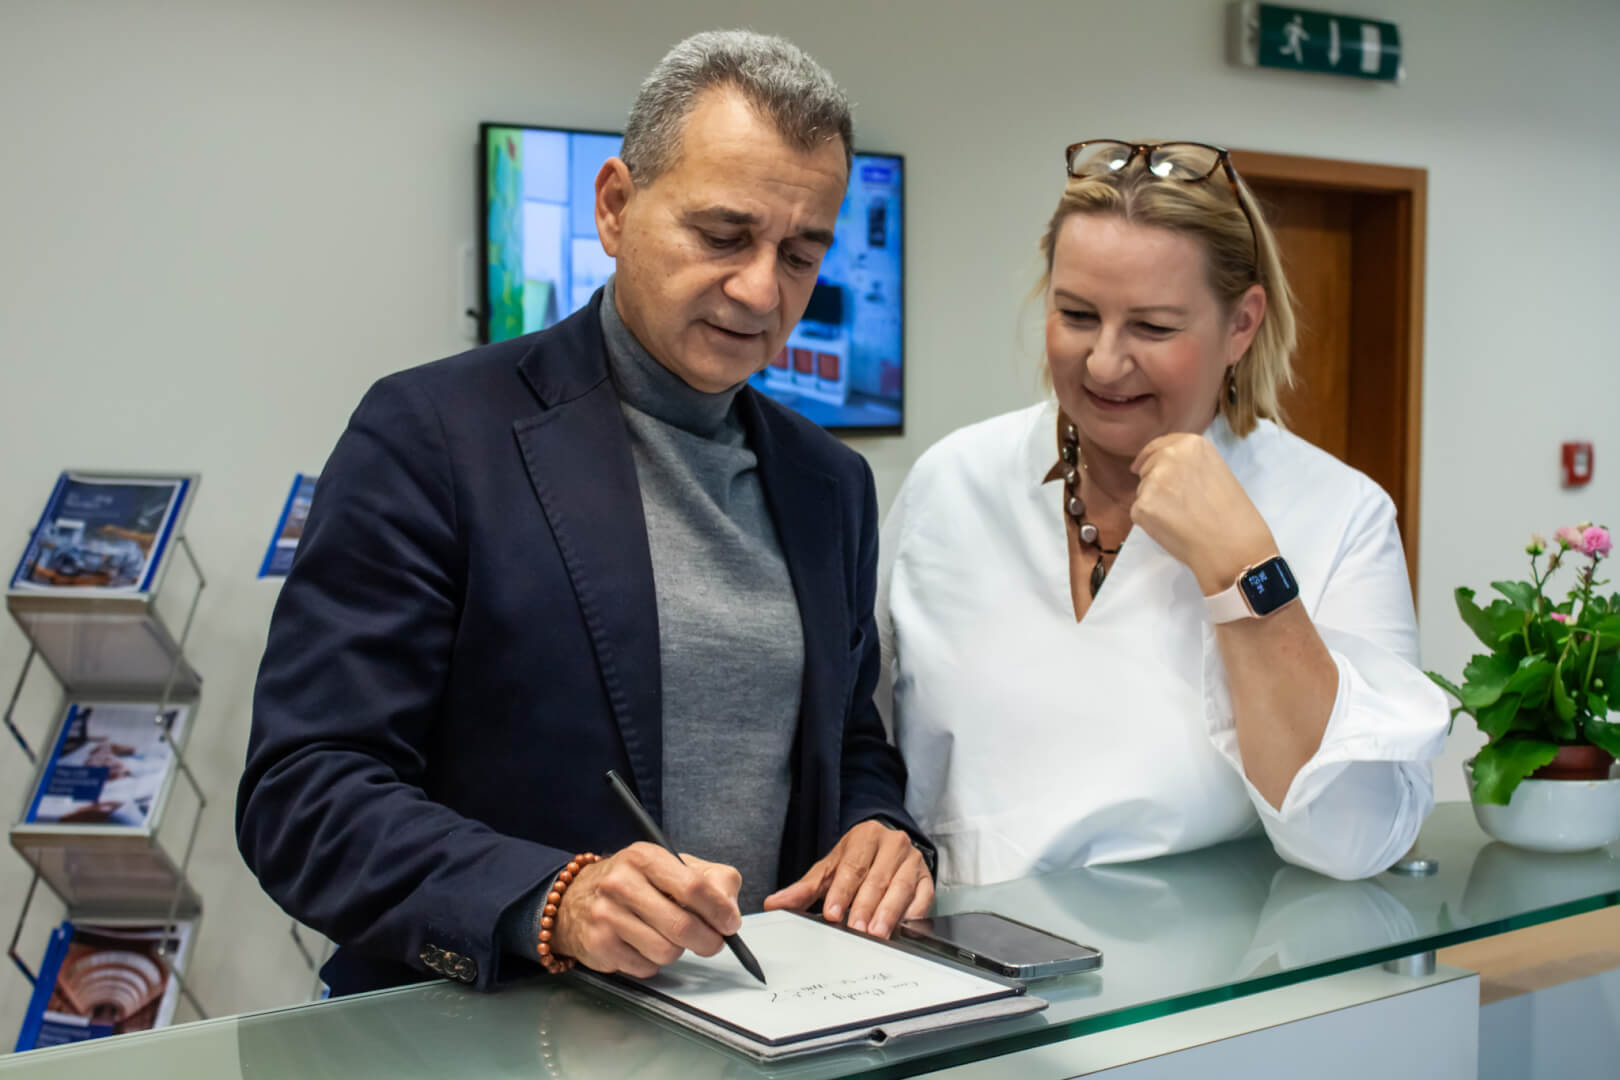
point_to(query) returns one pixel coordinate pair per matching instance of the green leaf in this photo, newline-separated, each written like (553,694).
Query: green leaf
(1611,683)
(1549,724)
(1557,633)
(1563,704)
(1497,718)
(1491,625)
(1484,680)
(1532,681)
(1445,684)
(1521,594)
(1596,703)
(1499,767)
(1604,735)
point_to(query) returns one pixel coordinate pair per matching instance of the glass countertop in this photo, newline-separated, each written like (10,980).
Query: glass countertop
(1176,933)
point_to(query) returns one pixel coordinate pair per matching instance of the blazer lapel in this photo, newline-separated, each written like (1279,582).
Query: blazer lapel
(577,453)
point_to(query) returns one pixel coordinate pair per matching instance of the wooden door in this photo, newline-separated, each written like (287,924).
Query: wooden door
(1351,237)
(1313,229)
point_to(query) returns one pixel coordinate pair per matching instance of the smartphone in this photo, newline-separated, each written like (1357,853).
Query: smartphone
(1001,945)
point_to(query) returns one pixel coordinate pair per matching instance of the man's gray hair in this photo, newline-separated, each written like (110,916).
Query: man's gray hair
(772,74)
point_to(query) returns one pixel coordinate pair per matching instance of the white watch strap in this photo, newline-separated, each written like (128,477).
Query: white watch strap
(1228,606)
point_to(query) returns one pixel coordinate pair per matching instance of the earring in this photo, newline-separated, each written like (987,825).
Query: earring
(1231,385)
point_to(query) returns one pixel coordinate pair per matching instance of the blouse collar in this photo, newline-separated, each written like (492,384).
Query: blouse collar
(1040,452)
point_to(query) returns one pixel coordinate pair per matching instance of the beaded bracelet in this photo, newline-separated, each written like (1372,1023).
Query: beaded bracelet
(556,965)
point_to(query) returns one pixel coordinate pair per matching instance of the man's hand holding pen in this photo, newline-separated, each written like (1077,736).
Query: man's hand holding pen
(640,909)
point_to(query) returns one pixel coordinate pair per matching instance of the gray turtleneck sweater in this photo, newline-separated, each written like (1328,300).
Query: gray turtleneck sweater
(730,643)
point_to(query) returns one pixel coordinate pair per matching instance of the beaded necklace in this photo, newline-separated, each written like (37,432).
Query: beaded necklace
(1075,506)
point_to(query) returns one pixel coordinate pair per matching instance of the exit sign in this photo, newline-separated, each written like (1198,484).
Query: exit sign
(1298,39)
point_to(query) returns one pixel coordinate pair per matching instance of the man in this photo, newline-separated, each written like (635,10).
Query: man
(596,547)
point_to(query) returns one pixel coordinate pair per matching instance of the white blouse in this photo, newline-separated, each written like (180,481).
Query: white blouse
(1036,743)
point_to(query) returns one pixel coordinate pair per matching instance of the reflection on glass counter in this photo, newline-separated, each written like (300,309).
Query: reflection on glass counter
(1178,932)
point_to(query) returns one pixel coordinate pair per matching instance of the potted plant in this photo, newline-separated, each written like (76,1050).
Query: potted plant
(1544,694)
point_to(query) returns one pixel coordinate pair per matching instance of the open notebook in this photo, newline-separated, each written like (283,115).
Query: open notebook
(827,987)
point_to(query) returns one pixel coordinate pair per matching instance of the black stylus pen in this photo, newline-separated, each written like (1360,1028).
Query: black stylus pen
(650,829)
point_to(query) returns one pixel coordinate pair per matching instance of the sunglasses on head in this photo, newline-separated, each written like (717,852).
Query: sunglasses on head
(1180,162)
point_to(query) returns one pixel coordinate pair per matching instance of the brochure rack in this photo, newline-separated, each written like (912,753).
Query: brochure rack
(113,653)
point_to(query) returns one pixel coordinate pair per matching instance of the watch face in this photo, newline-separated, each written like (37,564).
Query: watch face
(1269,586)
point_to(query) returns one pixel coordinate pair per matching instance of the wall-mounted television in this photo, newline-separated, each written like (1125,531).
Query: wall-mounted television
(541,261)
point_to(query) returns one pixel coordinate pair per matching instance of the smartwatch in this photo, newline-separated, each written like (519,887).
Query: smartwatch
(1260,590)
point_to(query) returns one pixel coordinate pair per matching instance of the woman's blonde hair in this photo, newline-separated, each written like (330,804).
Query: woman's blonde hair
(1235,260)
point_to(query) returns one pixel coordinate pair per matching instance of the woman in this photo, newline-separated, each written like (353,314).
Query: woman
(1100,648)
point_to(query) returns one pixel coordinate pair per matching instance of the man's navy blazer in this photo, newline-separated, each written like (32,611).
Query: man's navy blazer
(468,640)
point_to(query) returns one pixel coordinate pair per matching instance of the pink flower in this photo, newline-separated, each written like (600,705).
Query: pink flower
(1595,541)
(1559,616)
(1568,537)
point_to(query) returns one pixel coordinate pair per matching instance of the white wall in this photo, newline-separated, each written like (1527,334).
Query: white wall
(219,222)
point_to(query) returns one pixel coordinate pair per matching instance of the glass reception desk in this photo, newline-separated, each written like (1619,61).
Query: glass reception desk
(1178,934)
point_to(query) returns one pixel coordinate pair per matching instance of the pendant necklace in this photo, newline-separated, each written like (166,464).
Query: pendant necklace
(1075,506)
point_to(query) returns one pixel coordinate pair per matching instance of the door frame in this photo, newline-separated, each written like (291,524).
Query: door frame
(1386,369)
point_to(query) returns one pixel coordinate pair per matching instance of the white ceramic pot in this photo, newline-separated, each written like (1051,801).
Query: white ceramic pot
(1553,815)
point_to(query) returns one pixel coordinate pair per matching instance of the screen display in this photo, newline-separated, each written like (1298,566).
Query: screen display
(1269,586)
(542,261)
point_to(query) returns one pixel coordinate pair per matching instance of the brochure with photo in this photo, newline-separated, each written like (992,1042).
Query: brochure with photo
(289,529)
(105,534)
(108,766)
(101,980)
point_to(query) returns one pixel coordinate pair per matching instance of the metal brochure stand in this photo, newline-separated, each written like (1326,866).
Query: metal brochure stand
(312,961)
(103,649)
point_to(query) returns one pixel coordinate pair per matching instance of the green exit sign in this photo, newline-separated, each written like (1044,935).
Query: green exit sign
(1298,39)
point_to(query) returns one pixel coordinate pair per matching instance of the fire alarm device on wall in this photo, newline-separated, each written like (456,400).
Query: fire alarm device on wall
(1577,457)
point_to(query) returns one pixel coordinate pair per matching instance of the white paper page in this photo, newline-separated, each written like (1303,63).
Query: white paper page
(820,979)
